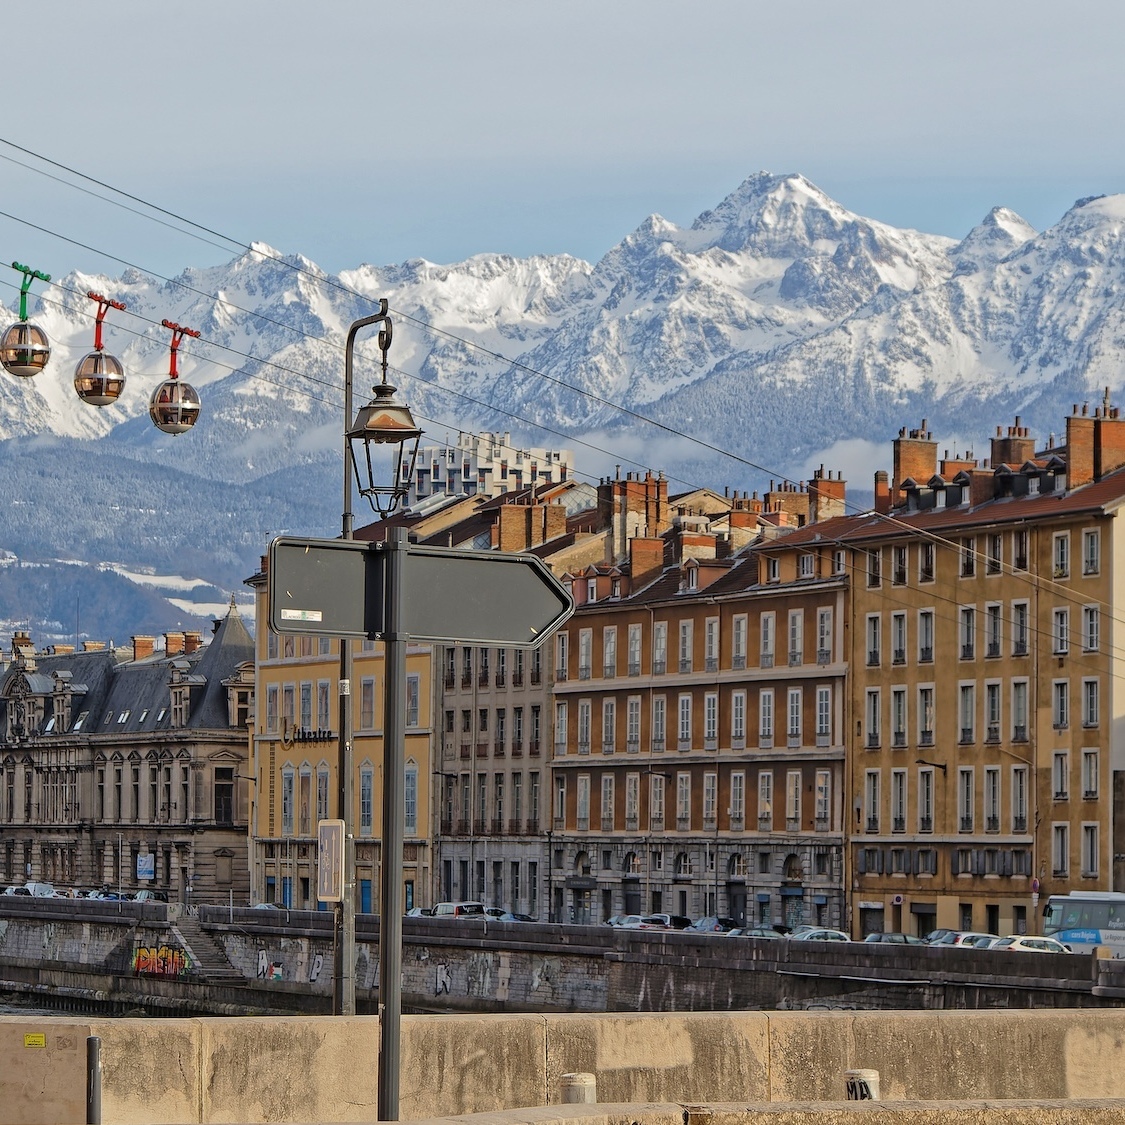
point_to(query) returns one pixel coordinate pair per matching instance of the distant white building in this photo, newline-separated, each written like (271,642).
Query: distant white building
(485,464)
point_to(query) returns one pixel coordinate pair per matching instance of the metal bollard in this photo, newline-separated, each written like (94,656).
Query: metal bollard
(93,1080)
(579,1089)
(862,1085)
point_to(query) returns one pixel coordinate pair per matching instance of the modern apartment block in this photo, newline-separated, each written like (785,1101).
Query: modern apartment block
(485,464)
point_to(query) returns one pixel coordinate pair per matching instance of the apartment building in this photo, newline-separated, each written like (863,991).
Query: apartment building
(296,758)
(700,723)
(983,769)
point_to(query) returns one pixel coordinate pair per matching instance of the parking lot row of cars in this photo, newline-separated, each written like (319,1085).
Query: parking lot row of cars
(46,890)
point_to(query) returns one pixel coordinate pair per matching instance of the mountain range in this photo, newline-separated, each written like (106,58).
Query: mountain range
(779,330)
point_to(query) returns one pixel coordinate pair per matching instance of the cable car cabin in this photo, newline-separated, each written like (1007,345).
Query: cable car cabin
(24,349)
(174,407)
(99,378)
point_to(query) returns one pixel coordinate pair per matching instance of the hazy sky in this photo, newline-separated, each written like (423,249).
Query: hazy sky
(354,131)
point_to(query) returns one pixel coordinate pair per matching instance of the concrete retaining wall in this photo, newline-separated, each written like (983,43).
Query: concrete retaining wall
(283,1069)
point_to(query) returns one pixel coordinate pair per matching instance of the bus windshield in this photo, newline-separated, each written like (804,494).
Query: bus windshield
(1072,913)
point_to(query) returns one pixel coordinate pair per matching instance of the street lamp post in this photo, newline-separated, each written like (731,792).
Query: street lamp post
(385,421)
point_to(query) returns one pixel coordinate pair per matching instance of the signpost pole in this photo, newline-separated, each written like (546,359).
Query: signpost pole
(394,816)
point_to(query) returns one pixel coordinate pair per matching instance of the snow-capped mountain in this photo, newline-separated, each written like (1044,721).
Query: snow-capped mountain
(778,325)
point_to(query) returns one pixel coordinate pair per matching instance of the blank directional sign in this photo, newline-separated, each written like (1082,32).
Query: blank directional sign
(330,860)
(323,587)
(482,597)
(338,588)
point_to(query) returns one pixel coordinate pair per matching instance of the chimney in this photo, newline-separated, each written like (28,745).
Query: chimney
(173,644)
(93,646)
(982,486)
(1079,448)
(143,647)
(646,560)
(951,466)
(62,650)
(915,456)
(826,496)
(882,492)
(1109,439)
(193,641)
(1015,448)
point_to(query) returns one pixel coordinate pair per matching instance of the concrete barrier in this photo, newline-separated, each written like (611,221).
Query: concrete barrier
(300,1069)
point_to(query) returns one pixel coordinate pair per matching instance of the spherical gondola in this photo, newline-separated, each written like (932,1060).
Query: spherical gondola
(24,349)
(99,378)
(174,407)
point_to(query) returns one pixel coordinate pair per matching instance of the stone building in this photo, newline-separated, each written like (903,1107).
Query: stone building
(128,766)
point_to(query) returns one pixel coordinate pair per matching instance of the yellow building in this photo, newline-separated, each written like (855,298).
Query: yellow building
(295,751)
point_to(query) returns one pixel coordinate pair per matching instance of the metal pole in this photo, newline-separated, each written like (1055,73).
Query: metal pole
(394,792)
(93,1080)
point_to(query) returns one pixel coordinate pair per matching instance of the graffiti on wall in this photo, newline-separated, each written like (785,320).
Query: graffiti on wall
(267,969)
(161,961)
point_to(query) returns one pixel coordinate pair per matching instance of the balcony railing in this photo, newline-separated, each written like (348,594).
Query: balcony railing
(517,749)
(607,823)
(872,739)
(560,675)
(872,657)
(482,679)
(466,679)
(765,824)
(632,746)
(1019,823)
(872,824)
(966,734)
(634,667)
(823,738)
(537,676)
(501,679)
(993,649)
(823,656)
(967,652)
(515,827)
(899,738)
(796,658)
(898,824)
(992,732)
(658,745)
(793,740)
(497,828)
(517,679)
(450,679)
(608,745)
(584,747)
(926,738)
(466,750)
(583,671)
(966,824)
(926,655)
(738,661)
(765,741)
(1019,733)
(1019,648)
(498,749)
(898,656)
(609,669)
(534,748)
(992,824)
(659,667)
(925,824)
(685,663)
(765,660)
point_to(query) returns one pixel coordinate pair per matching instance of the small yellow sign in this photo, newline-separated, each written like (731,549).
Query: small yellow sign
(35,1039)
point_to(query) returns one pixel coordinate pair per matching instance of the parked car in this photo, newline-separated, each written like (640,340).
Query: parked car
(494,912)
(714,925)
(146,895)
(513,916)
(820,935)
(1025,943)
(460,910)
(418,912)
(754,931)
(265,906)
(673,921)
(934,936)
(17,891)
(894,939)
(965,937)
(629,921)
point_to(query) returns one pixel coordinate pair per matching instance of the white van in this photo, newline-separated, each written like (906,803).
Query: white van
(40,890)
(459,910)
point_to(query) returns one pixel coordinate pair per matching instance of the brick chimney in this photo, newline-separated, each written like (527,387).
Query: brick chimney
(982,486)
(1014,448)
(791,499)
(193,641)
(173,644)
(630,506)
(143,647)
(882,492)
(951,466)
(1109,439)
(519,527)
(646,561)
(1079,448)
(62,650)
(827,496)
(93,646)
(915,456)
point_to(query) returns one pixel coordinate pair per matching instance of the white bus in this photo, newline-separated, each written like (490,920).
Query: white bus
(1086,919)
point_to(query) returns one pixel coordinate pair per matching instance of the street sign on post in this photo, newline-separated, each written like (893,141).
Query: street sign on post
(337,588)
(330,860)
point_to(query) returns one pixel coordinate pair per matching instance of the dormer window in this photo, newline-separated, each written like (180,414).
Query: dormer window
(591,589)
(123,718)
(80,720)
(693,579)
(805,566)
(615,589)
(773,570)
(1033,486)
(143,716)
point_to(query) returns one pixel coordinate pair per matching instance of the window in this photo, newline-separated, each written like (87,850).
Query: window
(823,797)
(738,642)
(560,728)
(413,693)
(925,636)
(609,651)
(683,733)
(823,716)
(1060,639)
(898,570)
(839,562)
(898,800)
(873,630)
(993,629)
(773,569)
(872,717)
(766,652)
(765,718)
(585,645)
(711,721)
(992,799)
(659,648)
(1060,849)
(367,703)
(685,646)
(634,668)
(926,800)
(683,797)
(410,797)
(738,719)
(968,711)
(994,554)
(583,726)
(1089,773)
(898,717)
(898,638)
(609,725)
(322,793)
(1060,704)
(871,800)
(656,800)
(323,705)
(1089,703)
(608,795)
(1019,628)
(737,795)
(1019,711)
(1060,554)
(968,557)
(560,800)
(1060,771)
(805,566)
(793,727)
(926,716)
(1091,552)
(633,724)
(926,562)
(793,800)
(992,712)
(874,568)
(271,708)
(366,799)
(765,801)
(710,796)
(632,800)
(1091,628)
(562,649)
(582,806)
(796,637)
(823,636)
(287,783)
(1089,850)
(659,722)
(965,797)
(711,644)
(306,705)
(968,623)
(1019,799)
